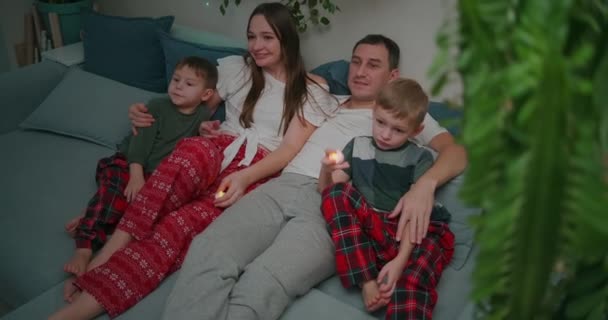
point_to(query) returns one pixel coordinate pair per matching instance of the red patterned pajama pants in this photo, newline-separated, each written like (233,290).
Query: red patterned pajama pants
(107,205)
(175,204)
(365,240)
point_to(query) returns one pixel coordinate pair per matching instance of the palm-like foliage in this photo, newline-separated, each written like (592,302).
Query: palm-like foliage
(535,77)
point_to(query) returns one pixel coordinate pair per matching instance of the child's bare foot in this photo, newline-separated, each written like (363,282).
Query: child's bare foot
(70,227)
(371,296)
(119,240)
(70,291)
(79,261)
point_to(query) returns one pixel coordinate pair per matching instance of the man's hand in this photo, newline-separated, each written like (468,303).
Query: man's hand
(234,186)
(139,116)
(415,207)
(135,184)
(209,128)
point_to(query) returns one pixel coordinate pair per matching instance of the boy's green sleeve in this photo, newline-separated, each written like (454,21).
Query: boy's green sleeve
(141,145)
(424,163)
(347,151)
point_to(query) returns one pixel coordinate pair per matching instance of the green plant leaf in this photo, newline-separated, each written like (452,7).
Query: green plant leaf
(324,20)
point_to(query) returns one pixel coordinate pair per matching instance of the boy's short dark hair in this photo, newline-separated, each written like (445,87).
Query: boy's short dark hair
(391,46)
(405,99)
(202,68)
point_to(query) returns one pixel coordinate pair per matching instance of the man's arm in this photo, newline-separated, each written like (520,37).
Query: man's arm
(416,205)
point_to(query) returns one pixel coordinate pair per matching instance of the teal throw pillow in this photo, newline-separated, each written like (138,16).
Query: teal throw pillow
(88,107)
(176,49)
(336,75)
(126,49)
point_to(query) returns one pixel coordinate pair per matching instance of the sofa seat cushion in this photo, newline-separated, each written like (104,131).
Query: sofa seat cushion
(46,180)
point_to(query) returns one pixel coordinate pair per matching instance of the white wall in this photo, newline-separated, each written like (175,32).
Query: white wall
(11,26)
(411,23)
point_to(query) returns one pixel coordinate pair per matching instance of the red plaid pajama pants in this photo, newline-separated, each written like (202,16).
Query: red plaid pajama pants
(107,205)
(175,204)
(365,240)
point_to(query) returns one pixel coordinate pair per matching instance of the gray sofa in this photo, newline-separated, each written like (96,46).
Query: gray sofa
(48,176)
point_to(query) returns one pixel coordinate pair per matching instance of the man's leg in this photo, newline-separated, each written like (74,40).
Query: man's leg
(301,256)
(217,257)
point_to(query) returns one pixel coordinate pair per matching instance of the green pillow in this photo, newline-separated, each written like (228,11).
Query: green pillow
(89,107)
(126,49)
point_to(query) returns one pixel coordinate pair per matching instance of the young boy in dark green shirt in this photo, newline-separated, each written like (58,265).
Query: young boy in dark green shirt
(121,176)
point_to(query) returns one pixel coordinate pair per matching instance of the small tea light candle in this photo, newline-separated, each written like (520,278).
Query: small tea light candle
(219,194)
(336,156)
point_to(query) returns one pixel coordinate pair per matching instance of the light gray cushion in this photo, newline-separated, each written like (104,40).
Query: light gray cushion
(459,223)
(89,107)
(46,179)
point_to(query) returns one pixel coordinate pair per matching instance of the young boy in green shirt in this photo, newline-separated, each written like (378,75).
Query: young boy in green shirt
(121,176)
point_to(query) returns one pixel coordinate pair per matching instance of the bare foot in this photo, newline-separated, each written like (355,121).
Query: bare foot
(119,240)
(79,261)
(70,227)
(70,291)
(371,296)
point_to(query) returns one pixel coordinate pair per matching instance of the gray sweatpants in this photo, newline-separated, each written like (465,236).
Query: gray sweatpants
(268,248)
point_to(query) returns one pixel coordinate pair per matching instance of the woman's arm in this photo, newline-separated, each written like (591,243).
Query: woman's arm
(235,184)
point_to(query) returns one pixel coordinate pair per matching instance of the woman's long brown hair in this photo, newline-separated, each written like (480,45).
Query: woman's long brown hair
(296,93)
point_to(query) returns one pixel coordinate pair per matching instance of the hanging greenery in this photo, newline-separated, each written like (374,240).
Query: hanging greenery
(535,77)
(304,12)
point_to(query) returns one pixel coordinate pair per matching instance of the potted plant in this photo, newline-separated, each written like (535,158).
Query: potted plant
(535,79)
(68,12)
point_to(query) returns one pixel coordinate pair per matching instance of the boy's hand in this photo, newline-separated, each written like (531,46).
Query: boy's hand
(329,163)
(388,276)
(233,187)
(139,116)
(415,208)
(209,128)
(135,184)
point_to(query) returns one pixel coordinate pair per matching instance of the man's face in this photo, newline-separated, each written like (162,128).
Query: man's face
(369,71)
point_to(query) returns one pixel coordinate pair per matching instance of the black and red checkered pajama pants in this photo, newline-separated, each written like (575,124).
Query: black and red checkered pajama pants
(107,205)
(365,240)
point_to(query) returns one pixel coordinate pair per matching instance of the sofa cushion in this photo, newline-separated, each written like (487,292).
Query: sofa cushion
(336,75)
(87,106)
(46,180)
(176,49)
(126,49)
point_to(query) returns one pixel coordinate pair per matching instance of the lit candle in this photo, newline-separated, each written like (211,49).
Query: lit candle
(219,194)
(336,156)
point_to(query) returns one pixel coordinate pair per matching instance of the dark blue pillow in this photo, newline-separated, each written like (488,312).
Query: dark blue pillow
(126,49)
(336,75)
(176,49)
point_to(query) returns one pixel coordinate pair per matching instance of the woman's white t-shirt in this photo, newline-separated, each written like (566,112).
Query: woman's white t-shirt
(234,84)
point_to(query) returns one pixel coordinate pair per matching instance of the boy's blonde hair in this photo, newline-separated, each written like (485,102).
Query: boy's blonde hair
(404,98)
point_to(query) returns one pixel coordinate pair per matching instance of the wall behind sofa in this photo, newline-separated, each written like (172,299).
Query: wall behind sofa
(412,24)
(11,27)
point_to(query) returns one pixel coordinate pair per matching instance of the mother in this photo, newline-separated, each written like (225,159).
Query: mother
(178,200)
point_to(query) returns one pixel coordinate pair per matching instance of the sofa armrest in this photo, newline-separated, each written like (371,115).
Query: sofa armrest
(24,89)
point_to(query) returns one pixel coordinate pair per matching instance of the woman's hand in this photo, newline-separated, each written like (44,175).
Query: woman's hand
(135,184)
(209,128)
(139,116)
(234,186)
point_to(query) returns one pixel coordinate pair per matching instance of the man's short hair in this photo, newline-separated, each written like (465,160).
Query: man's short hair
(202,68)
(405,99)
(391,46)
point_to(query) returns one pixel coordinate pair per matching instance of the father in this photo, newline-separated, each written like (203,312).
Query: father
(272,245)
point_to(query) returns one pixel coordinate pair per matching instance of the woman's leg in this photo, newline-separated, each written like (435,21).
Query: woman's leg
(84,307)
(180,178)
